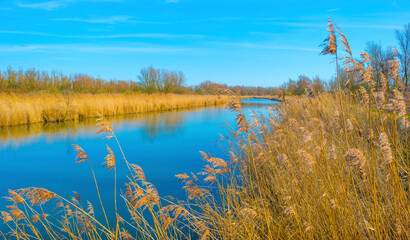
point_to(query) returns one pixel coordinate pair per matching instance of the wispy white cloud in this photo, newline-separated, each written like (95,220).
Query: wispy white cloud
(323,25)
(130,19)
(266,34)
(108,20)
(111,36)
(300,24)
(49,5)
(267,46)
(381,27)
(277,47)
(24,33)
(225,19)
(148,35)
(89,48)
(272,19)
(56,4)
(333,10)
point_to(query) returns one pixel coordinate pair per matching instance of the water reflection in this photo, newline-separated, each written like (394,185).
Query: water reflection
(258,101)
(154,125)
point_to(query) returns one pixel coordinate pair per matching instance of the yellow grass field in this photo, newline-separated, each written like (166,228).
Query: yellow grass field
(18,109)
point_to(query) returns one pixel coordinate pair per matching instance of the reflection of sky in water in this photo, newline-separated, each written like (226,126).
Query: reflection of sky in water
(163,144)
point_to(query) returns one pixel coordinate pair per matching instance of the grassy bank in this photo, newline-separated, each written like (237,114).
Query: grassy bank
(18,109)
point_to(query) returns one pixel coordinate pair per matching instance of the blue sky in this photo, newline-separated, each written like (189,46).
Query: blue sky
(257,43)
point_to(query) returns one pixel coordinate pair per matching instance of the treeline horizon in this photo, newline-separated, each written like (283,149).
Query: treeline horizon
(150,80)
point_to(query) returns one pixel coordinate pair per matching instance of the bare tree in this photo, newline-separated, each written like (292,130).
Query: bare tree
(379,60)
(319,84)
(149,79)
(403,38)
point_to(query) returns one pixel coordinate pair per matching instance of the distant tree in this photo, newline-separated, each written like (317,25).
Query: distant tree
(289,87)
(319,85)
(380,60)
(148,79)
(170,81)
(403,38)
(302,84)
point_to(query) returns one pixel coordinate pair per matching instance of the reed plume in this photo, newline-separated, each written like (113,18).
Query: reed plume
(109,159)
(343,39)
(384,146)
(356,159)
(329,44)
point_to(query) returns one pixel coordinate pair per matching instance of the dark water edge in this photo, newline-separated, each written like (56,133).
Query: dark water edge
(163,144)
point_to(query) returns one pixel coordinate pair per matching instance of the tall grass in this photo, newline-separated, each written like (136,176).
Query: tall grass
(33,108)
(298,178)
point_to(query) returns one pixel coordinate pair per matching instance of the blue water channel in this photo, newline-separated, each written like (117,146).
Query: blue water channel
(163,144)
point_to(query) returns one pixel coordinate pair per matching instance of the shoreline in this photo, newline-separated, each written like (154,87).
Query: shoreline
(21,109)
(28,108)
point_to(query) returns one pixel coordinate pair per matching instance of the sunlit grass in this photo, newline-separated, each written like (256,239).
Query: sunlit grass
(33,108)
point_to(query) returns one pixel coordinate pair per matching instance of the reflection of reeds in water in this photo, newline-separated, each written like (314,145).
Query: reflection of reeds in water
(170,123)
(15,136)
(156,125)
(32,108)
(153,126)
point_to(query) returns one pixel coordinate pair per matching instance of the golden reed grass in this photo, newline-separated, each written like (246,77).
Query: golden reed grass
(18,109)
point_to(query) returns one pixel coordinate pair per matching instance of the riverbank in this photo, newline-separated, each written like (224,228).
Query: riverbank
(19,109)
(321,168)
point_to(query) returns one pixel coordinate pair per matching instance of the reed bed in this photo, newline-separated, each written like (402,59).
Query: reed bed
(301,177)
(18,109)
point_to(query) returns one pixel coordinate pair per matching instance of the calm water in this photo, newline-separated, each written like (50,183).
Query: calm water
(163,144)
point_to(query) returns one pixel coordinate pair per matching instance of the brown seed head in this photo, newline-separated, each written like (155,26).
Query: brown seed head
(384,146)
(105,126)
(109,159)
(356,159)
(329,44)
(81,156)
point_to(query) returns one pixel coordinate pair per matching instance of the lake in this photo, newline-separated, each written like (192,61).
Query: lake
(163,144)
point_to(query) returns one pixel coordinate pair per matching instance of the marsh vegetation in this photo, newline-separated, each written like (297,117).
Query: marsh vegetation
(33,108)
